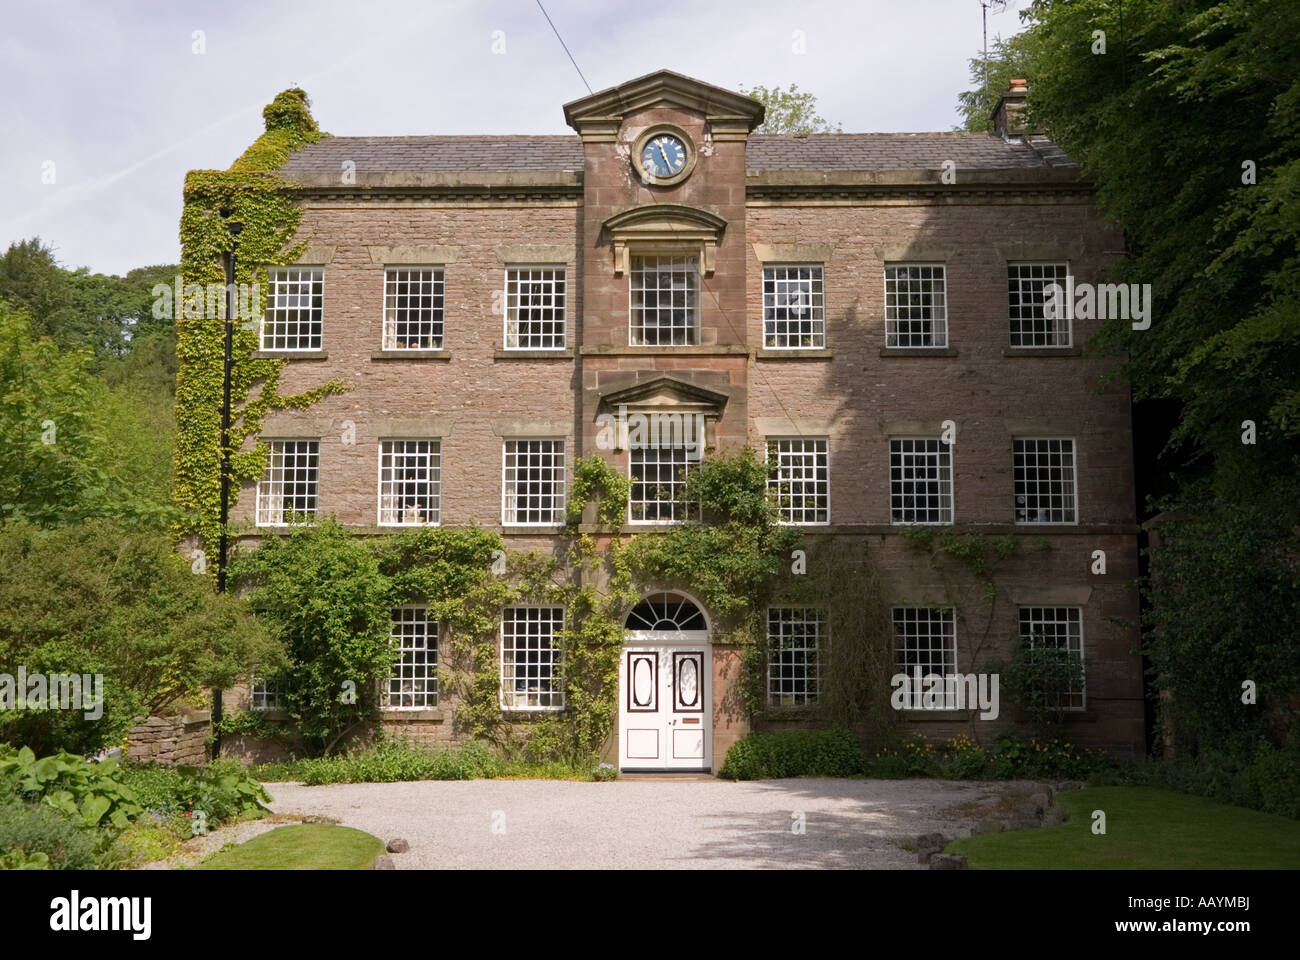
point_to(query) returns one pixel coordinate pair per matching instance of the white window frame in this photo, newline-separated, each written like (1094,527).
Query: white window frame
(690,465)
(561,274)
(1067,319)
(822,484)
(435,469)
(557,663)
(388,325)
(558,481)
(1082,692)
(947,648)
(1074,482)
(815,305)
(951,506)
(267,486)
(634,269)
(265,694)
(431,647)
(779,673)
(939,315)
(276,276)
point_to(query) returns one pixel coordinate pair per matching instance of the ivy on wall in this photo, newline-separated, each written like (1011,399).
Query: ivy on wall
(263,202)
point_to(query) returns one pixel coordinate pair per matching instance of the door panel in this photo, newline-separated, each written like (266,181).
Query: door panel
(665,705)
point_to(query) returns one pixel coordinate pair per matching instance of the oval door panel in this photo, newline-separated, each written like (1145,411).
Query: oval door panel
(688,681)
(642,682)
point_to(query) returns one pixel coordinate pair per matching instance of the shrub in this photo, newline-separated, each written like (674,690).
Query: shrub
(223,790)
(32,831)
(128,608)
(1008,757)
(80,788)
(146,840)
(389,761)
(793,753)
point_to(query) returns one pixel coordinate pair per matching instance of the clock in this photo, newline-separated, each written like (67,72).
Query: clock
(664,155)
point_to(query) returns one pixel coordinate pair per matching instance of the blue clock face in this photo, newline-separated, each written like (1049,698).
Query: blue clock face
(663,156)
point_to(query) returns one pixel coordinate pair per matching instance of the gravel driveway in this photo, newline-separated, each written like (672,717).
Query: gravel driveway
(536,824)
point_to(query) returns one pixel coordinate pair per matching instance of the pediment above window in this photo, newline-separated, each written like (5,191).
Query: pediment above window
(666,393)
(666,407)
(665,228)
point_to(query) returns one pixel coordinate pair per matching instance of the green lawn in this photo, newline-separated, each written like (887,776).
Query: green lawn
(307,846)
(1146,828)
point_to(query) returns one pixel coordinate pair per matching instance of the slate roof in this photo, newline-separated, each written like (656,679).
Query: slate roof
(563,153)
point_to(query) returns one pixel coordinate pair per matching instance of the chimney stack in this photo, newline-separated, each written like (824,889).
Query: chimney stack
(1008,117)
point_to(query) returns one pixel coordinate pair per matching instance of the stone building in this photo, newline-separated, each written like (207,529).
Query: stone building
(867,308)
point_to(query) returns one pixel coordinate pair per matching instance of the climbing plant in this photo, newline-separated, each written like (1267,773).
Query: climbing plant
(256,196)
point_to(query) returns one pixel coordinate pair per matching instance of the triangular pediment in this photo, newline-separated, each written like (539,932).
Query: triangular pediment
(666,393)
(664,88)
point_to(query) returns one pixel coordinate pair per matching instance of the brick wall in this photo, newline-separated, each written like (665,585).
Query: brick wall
(858,394)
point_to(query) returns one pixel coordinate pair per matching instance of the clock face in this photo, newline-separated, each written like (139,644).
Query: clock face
(663,156)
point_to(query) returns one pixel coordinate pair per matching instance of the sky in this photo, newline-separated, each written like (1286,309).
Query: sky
(108,103)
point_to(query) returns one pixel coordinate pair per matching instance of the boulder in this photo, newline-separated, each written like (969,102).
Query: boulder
(1054,816)
(1069,785)
(384,862)
(397,845)
(987,825)
(946,861)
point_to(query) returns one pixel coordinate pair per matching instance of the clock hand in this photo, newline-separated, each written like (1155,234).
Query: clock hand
(668,164)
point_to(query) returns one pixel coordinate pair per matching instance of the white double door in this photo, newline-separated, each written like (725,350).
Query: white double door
(666,701)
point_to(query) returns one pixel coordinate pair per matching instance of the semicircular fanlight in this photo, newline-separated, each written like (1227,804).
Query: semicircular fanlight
(665,611)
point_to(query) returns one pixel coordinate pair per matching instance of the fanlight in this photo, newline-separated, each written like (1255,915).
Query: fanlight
(665,611)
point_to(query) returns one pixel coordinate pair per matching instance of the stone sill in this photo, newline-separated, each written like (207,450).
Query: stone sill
(918,351)
(812,353)
(393,715)
(1042,351)
(411,355)
(530,529)
(891,529)
(938,716)
(717,350)
(779,713)
(291,355)
(565,354)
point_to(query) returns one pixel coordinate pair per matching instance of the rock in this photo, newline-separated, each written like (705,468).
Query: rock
(1069,785)
(1054,816)
(397,845)
(987,825)
(931,840)
(384,862)
(1042,800)
(947,861)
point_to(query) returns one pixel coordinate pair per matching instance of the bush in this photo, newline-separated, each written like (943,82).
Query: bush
(389,761)
(30,831)
(793,753)
(80,788)
(1266,778)
(1008,757)
(106,598)
(394,760)
(223,790)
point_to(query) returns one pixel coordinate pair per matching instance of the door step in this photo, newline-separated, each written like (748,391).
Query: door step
(683,777)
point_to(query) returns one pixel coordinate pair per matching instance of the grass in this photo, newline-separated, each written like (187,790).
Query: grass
(1146,829)
(307,846)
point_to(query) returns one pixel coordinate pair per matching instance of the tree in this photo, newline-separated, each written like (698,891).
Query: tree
(789,111)
(103,598)
(77,308)
(71,445)
(323,596)
(1007,61)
